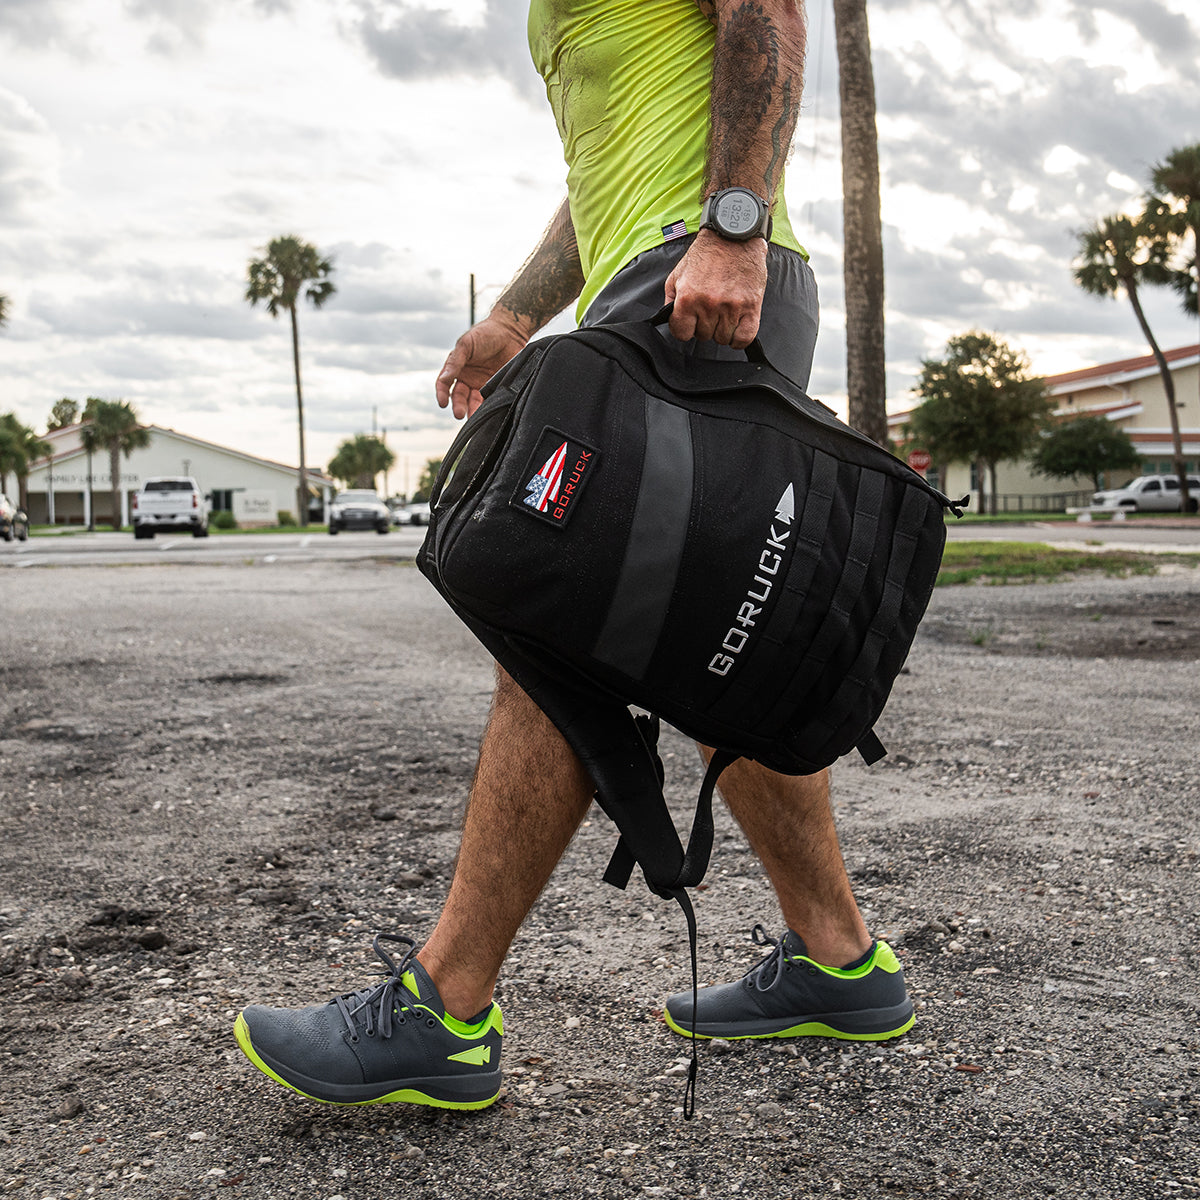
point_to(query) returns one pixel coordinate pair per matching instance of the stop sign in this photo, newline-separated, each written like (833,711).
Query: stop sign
(919,460)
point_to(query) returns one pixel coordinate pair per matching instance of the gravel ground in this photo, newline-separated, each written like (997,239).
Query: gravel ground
(218,781)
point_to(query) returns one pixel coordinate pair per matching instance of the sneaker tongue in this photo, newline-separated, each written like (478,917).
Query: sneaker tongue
(793,945)
(421,986)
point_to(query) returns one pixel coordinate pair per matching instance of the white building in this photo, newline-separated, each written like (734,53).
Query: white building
(1129,393)
(254,489)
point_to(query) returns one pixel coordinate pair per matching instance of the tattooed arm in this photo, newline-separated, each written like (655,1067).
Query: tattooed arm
(550,279)
(758,78)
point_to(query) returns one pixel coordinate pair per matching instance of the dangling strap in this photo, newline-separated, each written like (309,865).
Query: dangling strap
(689,1092)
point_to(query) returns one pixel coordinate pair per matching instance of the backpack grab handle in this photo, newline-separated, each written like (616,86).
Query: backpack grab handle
(754,352)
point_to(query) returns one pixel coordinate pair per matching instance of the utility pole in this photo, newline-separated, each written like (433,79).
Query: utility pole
(472,298)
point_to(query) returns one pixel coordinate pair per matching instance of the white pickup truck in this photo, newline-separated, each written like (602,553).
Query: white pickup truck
(170,503)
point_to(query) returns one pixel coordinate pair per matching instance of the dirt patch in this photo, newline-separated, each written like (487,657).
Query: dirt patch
(1146,624)
(192,823)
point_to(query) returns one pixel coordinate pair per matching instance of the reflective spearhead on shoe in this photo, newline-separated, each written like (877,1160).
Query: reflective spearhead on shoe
(392,1042)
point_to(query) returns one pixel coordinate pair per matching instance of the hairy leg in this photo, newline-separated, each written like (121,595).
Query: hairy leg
(528,797)
(788,822)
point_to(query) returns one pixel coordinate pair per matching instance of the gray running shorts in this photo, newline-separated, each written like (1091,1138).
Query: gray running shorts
(788,331)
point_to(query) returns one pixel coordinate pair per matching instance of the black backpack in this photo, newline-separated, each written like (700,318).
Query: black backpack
(621,524)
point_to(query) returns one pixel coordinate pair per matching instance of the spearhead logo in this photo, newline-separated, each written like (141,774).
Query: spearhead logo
(785,510)
(769,569)
(557,470)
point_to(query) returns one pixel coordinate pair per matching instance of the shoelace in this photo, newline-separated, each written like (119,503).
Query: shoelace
(372,1006)
(772,965)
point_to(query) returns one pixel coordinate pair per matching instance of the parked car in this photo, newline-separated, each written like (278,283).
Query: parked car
(418,514)
(358,509)
(170,503)
(13,521)
(1150,493)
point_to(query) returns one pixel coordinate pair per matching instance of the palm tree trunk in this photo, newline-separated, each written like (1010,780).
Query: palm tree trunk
(114,475)
(1169,387)
(302,498)
(862,256)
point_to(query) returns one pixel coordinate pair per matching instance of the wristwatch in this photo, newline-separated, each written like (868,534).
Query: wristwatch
(738,214)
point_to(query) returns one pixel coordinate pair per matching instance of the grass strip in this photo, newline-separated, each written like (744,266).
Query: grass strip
(997,563)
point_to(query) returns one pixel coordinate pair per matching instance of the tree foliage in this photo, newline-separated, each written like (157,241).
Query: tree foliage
(428,478)
(1174,210)
(277,280)
(979,404)
(63,412)
(20,448)
(1084,446)
(3,309)
(113,425)
(359,459)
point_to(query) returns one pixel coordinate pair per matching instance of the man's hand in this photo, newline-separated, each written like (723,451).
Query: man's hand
(717,288)
(476,357)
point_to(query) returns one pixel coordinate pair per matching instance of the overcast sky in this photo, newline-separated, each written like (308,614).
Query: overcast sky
(149,149)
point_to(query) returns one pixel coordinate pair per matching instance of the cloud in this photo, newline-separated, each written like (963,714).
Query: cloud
(35,24)
(1173,37)
(29,160)
(179,26)
(430,43)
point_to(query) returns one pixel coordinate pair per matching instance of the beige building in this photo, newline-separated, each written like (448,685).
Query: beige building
(254,489)
(1129,393)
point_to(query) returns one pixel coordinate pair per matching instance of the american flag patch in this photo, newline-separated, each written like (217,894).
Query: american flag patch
(677,230)
(553,480)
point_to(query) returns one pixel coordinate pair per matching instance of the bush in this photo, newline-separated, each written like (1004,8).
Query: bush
(283,517)
(222,520)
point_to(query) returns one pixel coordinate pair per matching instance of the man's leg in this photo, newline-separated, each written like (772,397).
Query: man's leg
(528,797)
(824,976)
(789,824)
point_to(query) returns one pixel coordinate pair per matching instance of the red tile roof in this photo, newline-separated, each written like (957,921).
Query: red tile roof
(1121,367)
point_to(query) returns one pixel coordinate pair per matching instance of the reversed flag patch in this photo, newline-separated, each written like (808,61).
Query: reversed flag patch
(676,230)
(554,478)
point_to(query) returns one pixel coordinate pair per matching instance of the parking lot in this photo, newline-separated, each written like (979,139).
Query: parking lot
(218,777)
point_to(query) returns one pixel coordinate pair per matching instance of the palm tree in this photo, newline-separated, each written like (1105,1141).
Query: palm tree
(1177,178)
(9,447)
(359,459)
(1118,254)
(277,280)
(20,448)
(862,234)
(113,425)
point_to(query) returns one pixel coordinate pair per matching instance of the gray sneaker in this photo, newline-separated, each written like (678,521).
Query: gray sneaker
(787,994)
(391,1042)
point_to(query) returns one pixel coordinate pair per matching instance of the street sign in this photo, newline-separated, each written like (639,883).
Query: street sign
(919,460)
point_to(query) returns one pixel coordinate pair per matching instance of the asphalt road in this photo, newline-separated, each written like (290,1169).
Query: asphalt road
(121,549)
(216,783)
(401,544)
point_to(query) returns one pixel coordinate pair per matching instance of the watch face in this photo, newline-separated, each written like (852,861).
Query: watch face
(737,212)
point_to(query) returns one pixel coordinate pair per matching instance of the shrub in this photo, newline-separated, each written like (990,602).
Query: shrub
(283,517)
(223,520)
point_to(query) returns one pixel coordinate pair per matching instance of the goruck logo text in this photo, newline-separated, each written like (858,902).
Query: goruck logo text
(771,567)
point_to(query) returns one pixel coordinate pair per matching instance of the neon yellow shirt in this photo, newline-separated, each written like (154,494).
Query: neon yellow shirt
(629,82)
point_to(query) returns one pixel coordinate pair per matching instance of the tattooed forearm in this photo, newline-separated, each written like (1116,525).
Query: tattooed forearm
(550,279)
(708,8)
(757,83)
(781,139)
